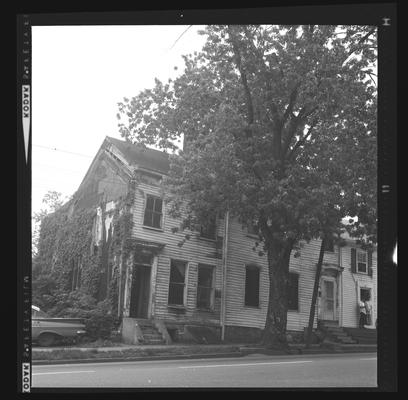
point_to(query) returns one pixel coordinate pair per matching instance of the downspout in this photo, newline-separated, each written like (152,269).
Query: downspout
(224,275)
(120,287)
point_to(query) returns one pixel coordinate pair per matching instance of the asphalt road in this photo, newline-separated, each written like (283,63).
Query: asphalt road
(328,370)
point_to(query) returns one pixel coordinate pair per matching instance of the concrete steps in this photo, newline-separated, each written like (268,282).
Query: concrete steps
(336,333)
(363,336)
(150,333)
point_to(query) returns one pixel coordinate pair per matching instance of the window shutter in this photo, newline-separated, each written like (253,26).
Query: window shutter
(353,260)
(370,263)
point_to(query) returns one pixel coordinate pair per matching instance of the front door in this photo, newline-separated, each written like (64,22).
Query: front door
(140,292)
(328,299)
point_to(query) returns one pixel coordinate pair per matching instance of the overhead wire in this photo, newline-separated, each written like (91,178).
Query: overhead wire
(80,154)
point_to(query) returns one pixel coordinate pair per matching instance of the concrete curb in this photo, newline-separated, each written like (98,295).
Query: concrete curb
(239,353)
(131,359)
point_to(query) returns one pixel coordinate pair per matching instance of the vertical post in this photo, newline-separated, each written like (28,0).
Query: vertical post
(224,275)
(341,287)
(120,286)
(315,291)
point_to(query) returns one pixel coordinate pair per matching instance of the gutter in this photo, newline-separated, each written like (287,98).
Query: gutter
(224,275)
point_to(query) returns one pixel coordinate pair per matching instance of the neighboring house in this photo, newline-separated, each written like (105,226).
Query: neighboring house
(214,280)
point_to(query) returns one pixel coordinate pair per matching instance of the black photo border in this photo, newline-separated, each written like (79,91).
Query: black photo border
(383,15)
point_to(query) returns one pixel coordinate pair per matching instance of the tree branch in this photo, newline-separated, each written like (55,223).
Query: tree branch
(299,120)
(291,103)
(301,141)
(238,61)
(366,36)
(290,134)
(357,46)
(277,123)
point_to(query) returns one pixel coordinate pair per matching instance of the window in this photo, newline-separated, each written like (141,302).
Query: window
(329,245)
(293,292)
(205,290)
(252,228)
(177,282)
(362,262)
(153,212)
(365,294)
(252,286)
(208,230)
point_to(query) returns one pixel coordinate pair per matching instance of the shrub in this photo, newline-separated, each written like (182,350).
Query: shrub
(100,322)
(98,318)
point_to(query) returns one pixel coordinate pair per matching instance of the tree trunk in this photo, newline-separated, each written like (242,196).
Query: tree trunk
(274,335)
(314,295)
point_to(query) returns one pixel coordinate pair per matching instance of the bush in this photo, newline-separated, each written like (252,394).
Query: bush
(100,323)
(98,318)
(43,288)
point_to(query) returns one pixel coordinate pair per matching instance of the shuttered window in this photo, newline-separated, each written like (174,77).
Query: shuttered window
(362,262)
(153,212)
(293,292)
(177,282)
(252,286)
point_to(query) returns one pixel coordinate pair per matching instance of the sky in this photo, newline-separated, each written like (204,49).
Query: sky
(79,74)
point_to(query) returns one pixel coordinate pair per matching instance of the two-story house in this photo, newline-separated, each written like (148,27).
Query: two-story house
(214,281)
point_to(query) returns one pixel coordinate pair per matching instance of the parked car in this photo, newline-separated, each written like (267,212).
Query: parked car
(47,331)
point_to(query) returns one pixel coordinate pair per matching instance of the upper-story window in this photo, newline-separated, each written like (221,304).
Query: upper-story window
(361,261)
(208,229)
(153,214)
(252,228)
(329,245)
(362,265)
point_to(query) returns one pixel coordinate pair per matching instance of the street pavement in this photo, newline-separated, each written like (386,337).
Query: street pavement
(256,370)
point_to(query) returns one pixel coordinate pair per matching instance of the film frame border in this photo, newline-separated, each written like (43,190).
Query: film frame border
(381,15)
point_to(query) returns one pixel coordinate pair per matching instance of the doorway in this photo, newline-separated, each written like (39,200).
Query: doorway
(328,299)
(140,292)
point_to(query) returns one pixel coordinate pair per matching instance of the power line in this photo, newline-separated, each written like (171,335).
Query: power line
(35,165)
(180,36)
(62,151)
(57,182)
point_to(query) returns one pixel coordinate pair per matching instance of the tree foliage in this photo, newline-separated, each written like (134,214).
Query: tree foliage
(279,127)
(53,201)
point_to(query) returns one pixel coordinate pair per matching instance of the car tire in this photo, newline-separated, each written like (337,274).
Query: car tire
(46,339)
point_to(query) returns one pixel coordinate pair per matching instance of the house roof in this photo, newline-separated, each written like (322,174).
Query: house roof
(142,156)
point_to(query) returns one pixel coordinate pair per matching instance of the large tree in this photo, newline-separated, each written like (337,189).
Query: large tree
(269,115)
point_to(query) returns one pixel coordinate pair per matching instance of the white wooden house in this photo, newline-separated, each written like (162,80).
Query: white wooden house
(215,279)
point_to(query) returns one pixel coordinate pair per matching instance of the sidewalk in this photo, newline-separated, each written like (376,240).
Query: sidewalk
(66,355)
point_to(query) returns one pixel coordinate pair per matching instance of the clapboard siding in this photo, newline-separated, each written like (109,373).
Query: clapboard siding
(240,253)
(352,282)
(194,251)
